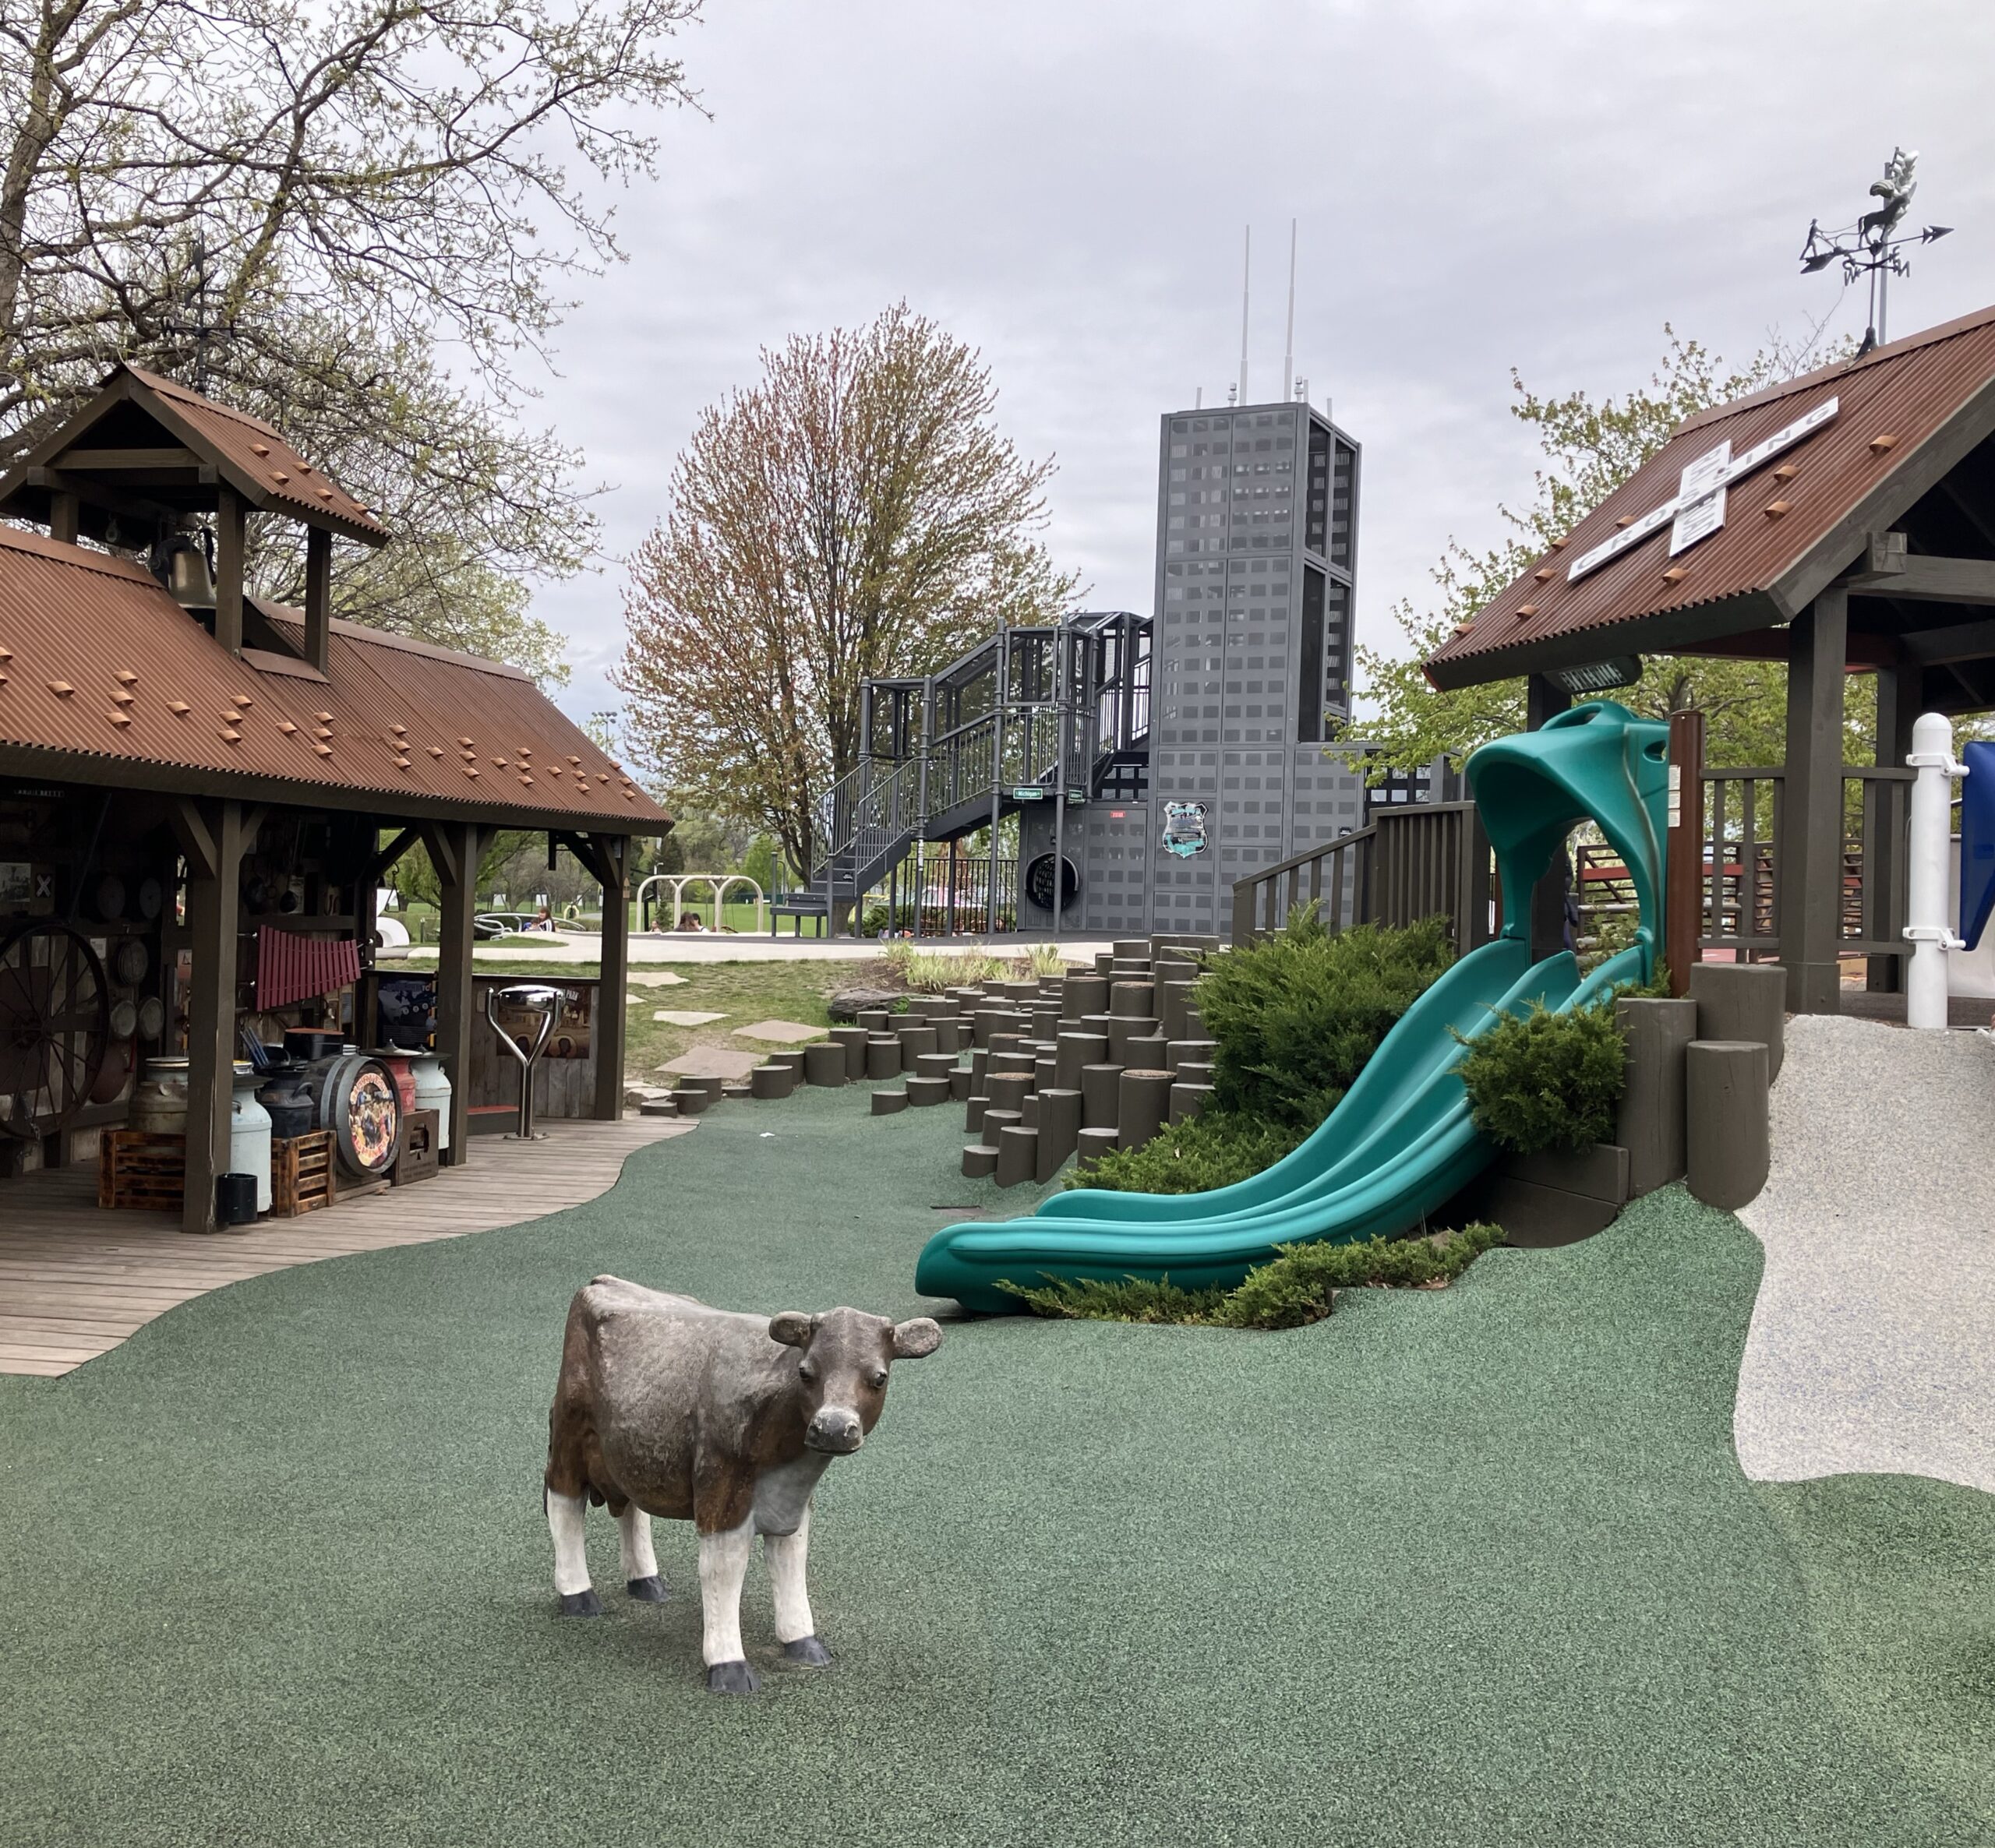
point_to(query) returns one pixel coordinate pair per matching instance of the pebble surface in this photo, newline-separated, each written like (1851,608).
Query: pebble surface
(1872,1348)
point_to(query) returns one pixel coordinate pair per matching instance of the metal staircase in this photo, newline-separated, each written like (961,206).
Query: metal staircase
(1032,714)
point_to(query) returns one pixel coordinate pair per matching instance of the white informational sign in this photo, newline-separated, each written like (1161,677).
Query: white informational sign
(1701,498)
(1698,510)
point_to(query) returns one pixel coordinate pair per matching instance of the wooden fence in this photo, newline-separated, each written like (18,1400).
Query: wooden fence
(1411,862)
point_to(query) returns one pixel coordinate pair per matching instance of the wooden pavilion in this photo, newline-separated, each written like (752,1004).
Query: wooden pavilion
(1842,523)
(189,774)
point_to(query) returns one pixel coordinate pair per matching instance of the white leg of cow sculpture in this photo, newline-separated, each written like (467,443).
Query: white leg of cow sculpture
(565,1515)
(787,1555)
(723,1565)
(640,1578)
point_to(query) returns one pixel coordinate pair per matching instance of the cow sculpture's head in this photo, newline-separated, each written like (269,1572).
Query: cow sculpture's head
(843,1359)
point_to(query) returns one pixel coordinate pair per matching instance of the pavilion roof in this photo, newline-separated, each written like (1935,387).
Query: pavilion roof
(1905,415)
(104,679)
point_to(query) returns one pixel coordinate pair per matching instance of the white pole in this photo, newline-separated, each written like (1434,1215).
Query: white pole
(1931,830)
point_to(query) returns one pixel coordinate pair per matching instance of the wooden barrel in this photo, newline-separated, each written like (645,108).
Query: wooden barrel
(356,1098)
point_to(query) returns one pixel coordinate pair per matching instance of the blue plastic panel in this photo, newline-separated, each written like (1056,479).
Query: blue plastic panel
(1977,839)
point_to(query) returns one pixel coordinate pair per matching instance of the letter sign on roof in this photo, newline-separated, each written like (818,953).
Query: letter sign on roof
(1698,510)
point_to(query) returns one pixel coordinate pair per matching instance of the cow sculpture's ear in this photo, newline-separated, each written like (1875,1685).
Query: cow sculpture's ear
(922,1335)
(793,1330)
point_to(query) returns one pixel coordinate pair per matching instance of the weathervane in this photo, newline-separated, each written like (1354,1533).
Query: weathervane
(1870,246)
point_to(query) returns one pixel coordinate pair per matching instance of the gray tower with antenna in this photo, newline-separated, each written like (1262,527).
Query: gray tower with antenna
(1257,556)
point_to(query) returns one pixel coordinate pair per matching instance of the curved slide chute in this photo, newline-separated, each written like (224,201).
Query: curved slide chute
(1400,1142)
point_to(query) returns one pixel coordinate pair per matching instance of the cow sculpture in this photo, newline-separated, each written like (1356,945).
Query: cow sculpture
(665,1407)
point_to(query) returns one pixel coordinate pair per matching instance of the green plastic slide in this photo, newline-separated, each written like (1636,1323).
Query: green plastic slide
(1400,1142)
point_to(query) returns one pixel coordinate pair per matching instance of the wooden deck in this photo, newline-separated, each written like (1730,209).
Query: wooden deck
(75,1280)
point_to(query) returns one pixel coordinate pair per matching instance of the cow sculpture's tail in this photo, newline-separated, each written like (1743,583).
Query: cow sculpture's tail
(1400,1142)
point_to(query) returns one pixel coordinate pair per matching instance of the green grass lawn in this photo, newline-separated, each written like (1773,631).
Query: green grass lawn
(1470,1567)
(741,992)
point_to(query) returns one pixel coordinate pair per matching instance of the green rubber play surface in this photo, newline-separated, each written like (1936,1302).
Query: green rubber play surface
(1470,1567)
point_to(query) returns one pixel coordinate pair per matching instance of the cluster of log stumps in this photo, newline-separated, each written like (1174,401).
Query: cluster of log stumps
(1047,1068)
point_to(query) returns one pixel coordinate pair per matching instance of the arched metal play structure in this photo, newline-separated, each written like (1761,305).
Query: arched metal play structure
(718,884)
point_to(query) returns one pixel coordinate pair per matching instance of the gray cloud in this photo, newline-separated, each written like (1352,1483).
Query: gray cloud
(1540,183)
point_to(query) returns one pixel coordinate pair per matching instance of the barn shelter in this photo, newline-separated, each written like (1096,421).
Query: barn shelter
(1842,523)
(200,789)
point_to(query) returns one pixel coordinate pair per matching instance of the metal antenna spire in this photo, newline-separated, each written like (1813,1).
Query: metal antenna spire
(1288,339)
(1246,278)
(1869,248)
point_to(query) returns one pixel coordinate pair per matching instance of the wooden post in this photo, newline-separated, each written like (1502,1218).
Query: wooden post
(228,571)
(453,848)
(1683,877)
(1900,699)
(607,1032)
(317,597)
(1808,861)
(62,516)
(210,838)
(1543,700)
(1650,1121)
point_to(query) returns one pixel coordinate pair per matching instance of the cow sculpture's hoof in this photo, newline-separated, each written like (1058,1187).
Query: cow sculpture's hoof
(808,1651)
(583,1603)
(731,1677)
(646,1591)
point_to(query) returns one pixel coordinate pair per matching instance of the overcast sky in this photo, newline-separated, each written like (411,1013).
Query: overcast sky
(1063,184)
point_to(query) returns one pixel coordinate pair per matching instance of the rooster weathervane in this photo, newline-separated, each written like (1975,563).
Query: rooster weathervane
(1873,245)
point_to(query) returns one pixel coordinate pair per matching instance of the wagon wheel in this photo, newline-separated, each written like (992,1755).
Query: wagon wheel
(55,1026)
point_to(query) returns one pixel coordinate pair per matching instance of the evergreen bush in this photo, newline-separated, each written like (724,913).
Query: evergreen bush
(1294,1016)
(1542,1081)
(1194,1156)
(1288,1292)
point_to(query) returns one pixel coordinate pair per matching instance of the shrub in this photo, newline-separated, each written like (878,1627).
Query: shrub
(1295,1016)
(1194,1156)
(1286,1292)
(1543,1080)
(1047,959)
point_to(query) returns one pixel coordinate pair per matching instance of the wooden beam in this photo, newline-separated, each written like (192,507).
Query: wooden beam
(453,851)
(607,1033)
(63,508)
(1931,581)
(213,901)
(1949,491)
(228,571)
(1543,700)
(1808,861)
(385,857)
(190,822)
(100,494)
(1683,880)
(1942,647)
(1867,649)
(317,597)
(173,457)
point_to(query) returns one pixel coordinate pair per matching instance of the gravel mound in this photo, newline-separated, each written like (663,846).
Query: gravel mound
(1872,1342)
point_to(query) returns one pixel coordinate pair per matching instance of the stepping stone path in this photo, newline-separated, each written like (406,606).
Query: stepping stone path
(675,1017)
(779,1032)
(714,1061)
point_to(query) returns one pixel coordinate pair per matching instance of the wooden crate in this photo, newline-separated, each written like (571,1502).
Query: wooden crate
(141,1168)
(417,1160)
(301,1174)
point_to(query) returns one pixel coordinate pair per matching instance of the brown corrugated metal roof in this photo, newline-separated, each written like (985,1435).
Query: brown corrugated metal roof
(1762,564)
(97,660)
(280,475)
